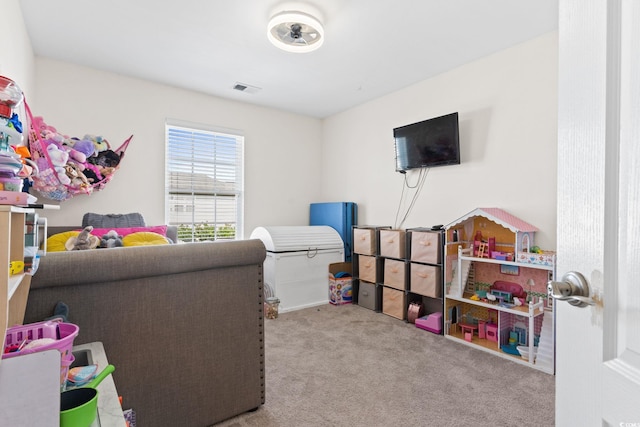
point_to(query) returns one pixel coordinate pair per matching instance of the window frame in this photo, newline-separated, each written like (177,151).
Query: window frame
(237,192)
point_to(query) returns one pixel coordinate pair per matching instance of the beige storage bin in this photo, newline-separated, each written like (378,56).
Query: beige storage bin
(392,243)
(367,268)
(426,280)
(364,241)
(394,274)
(425,247)
(393,302)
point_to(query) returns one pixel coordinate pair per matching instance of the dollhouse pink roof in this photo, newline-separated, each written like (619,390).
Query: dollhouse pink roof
(500,217)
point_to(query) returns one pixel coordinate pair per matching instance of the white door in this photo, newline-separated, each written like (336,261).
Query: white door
(598,347)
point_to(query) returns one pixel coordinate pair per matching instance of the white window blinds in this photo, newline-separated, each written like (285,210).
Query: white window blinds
(204,185)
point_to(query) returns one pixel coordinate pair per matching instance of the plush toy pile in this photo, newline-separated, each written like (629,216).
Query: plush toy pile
(70,165)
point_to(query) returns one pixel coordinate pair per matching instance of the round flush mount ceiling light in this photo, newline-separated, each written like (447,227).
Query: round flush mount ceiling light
(295,31)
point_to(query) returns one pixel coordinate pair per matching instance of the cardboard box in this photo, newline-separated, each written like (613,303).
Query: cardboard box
(340,287)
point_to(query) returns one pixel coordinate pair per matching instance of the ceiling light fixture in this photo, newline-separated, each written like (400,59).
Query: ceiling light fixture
(295,31)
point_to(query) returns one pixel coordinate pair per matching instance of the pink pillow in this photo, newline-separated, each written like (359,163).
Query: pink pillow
(159,229)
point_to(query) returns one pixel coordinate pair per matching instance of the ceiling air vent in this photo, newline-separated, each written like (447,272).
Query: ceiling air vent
(243,87)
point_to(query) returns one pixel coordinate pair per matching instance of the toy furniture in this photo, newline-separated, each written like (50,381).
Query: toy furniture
(431,322)
(513,289)
(490,250)
(466,327)
(482,329)
(492,332)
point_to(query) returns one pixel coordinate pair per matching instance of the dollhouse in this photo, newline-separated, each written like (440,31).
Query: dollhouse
(495,288)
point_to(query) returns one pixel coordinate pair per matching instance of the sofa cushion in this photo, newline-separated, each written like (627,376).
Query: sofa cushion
(113,220)
(125,231)
(144,238)
(56,243)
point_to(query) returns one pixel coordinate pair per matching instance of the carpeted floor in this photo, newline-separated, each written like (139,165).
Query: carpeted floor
(349,366)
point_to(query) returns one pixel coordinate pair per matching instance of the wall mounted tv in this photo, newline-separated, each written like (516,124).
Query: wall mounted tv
(430,143)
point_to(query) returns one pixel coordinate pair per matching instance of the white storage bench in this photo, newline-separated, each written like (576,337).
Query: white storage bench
(297,262)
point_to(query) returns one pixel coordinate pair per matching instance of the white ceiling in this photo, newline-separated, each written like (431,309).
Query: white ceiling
(372,47)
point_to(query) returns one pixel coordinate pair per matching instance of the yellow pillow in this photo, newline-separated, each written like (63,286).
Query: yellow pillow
(144,238)
(56,242)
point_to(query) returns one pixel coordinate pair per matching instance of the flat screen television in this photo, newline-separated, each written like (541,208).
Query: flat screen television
(429,143)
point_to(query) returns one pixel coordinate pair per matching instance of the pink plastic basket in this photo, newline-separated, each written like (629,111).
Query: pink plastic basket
(63,333)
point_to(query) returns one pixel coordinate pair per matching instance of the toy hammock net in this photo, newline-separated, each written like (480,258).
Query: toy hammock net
(70,166)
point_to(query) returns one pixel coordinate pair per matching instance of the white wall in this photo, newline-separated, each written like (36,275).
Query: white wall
(16,56)
(281,149)
(508,111)
(507,105)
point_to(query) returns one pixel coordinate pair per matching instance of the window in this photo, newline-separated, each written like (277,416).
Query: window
(204,185)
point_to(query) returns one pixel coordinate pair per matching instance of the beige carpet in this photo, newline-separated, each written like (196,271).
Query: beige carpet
(349,366)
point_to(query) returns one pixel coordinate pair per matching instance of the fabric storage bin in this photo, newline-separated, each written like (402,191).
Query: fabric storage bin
(393,302)
(367,268)
(364,241)
(394,274)
(367,296)
(425,247)
(392,243)
(426,280)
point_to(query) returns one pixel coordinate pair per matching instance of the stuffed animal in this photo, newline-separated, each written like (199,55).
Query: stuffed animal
(92,172)
(78,179)
(61,172)
(84,146)
(57,155)
(39,125)
(106,158)
(100,144)
(83,241)
(111,240)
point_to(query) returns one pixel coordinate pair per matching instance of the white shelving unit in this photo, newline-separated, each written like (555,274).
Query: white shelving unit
(14,289)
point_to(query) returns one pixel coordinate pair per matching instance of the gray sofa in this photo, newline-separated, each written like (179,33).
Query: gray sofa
(182,324)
